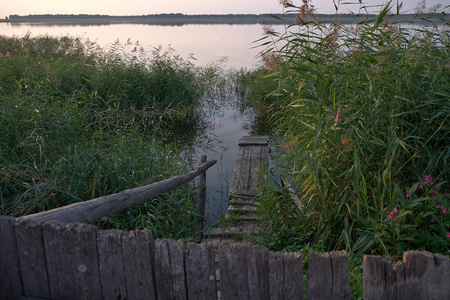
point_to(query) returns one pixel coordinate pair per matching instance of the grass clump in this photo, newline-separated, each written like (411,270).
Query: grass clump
(363,112)
(79,122)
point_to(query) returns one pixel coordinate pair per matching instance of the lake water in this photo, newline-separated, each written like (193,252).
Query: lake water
(207,43)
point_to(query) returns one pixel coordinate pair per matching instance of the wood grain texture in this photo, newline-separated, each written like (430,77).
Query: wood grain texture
(293,276)
(10,277)
(139,264)
(379,279)
(30,247)
(200,272)
(233,272)
(78,243)
(427,276)
(110,256)
(258,273)
(276,275)
(252,156)
(169,267)
(253,140)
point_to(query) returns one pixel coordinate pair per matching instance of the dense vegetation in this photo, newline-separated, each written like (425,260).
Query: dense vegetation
(364,116)
(78,122)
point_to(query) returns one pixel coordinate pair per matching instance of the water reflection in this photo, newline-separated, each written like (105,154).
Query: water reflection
(208,43)
(222,121)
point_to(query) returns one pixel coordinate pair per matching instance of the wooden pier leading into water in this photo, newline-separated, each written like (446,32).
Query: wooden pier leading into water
(250,168)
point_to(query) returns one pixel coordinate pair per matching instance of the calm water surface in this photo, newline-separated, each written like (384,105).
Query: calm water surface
(207,43)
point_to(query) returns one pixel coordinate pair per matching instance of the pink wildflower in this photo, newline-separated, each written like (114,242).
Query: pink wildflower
(444,210)
(438,206)
(448,235)
(408,194)
(392,213)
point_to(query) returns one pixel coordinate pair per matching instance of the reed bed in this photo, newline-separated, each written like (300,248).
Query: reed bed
(78,122)
(363,127)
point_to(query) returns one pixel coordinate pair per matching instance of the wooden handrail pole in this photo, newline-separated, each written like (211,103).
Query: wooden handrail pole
(91,210)
(201,203)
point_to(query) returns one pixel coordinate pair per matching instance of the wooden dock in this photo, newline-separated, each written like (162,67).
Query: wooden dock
(252,156)
(250,168)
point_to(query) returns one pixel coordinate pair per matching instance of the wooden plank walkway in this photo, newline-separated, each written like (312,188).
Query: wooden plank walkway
(252,156)
(249,169)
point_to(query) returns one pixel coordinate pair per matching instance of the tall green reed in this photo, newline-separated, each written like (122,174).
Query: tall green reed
(79,122)
(363,112)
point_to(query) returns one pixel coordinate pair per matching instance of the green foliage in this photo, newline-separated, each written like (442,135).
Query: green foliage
(79,122)
(364,113)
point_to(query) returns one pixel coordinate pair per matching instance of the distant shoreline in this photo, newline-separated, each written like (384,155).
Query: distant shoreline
(181,19)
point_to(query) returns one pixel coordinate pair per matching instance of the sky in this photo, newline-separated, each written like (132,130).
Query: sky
(144,7)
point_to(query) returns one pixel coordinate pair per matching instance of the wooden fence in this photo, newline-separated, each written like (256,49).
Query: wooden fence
(53,260)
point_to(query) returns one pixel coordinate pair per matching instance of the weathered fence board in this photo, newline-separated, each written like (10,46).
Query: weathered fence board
(76,261)
(112,272)
(32,259)
(421,275)
(169,267)
(200,272)
(139,265)
(258,269)
(328,276)
(293,276)
(379,279)
(10,282)
(233,272)
(256,273)
(276,275)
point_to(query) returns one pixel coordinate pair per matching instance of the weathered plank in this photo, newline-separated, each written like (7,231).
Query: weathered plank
(252,155)
(276,275)
(88,211)
(427,276)
(78,277)
(10,278)
(233,272)
(327,276)
(110,256)
(57,244)
(253,140)
(138,261)
(169,267)
(30,247)
(379,279)
(201,203)
(237,171)
(293,276)
(341,281)
(200,272)
(258,273)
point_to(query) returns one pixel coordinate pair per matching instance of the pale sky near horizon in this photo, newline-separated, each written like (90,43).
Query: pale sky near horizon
(144,7)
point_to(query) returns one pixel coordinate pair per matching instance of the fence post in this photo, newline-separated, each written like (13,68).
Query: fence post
(201,203)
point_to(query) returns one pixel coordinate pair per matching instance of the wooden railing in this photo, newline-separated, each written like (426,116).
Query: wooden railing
(53,260)
(91,210)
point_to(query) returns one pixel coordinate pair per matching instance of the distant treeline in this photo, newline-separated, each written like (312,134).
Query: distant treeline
(181,19)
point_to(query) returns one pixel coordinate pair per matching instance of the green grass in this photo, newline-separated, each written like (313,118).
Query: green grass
(79,122)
